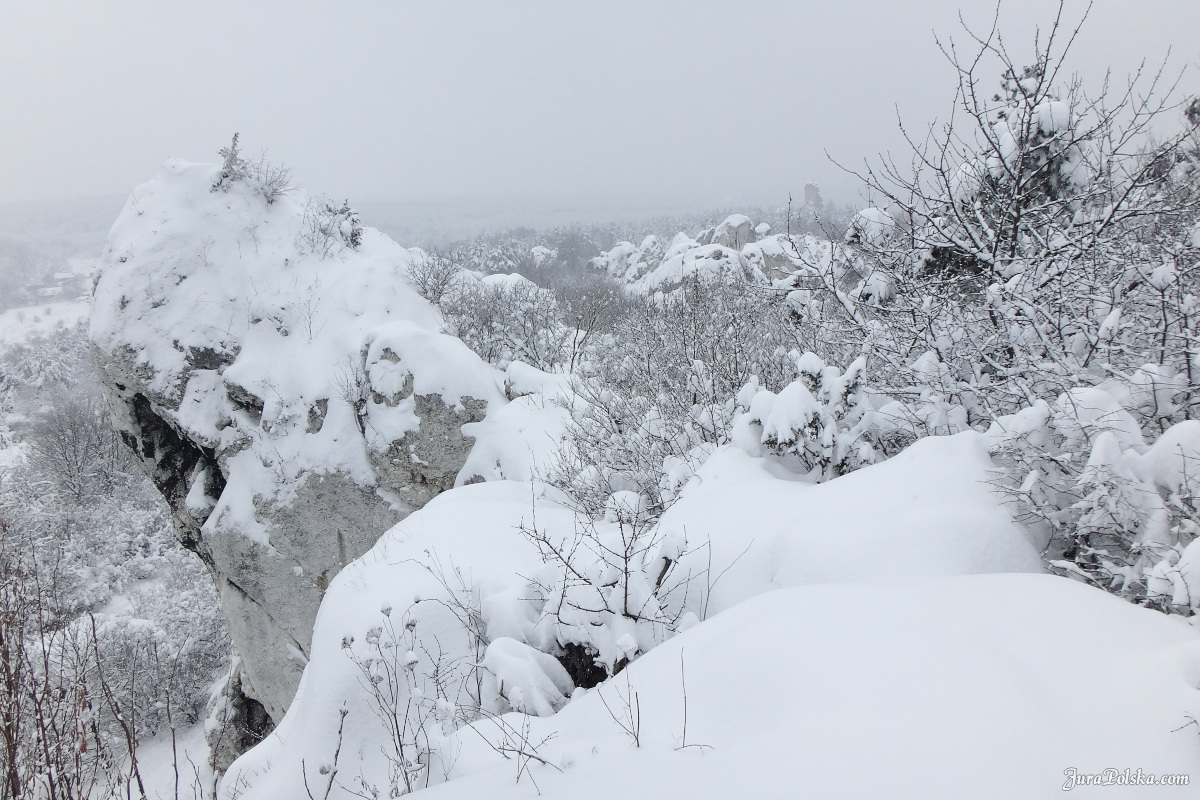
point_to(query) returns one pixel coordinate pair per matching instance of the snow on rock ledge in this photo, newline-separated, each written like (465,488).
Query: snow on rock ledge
(287,390)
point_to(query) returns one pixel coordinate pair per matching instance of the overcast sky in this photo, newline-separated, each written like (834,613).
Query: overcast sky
(696,103)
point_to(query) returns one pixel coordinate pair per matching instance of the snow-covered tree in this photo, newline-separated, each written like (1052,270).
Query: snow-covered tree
(1040,238)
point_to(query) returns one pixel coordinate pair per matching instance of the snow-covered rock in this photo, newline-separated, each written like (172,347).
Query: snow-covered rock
(735,232)
(774,256)
(290,394)
(654,266)
(871,226)
(627,262)
(704,262)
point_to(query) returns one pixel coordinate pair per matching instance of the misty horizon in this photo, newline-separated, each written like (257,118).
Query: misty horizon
(693,106)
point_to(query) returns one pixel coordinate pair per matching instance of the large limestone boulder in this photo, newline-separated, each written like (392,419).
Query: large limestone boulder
(288,392)
(735,232)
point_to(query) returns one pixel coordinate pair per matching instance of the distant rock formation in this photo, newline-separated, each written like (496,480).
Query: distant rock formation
(735,232)
(736,246)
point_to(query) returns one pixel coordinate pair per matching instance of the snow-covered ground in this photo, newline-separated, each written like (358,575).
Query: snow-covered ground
(885,634)
(982,687)
(19,324)
(178,768)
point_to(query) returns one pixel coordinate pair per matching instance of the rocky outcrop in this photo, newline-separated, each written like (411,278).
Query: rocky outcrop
(735,249)
(286,390)
(735,232)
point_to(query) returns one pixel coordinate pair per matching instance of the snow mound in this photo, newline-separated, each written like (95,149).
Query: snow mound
(877,691)
(929,511)
(854,691)
(744,527)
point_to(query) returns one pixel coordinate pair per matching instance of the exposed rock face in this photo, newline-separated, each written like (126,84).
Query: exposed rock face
(425,462)
(292,399)
(242,723)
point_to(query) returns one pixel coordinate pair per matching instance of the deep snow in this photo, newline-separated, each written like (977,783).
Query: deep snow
(858,643)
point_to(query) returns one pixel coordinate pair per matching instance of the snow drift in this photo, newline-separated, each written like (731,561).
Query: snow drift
(832,626)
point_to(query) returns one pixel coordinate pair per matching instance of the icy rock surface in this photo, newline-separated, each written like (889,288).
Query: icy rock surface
(286,389)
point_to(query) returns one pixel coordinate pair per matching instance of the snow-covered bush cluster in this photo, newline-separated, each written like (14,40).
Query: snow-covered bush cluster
(609,589)
(328,228)
(507,318)
(1110,507)
(823,423)
(110,634)
(659,392)
(1046,276)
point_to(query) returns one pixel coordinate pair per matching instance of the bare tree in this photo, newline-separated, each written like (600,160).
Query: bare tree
(72,442)
(432,275)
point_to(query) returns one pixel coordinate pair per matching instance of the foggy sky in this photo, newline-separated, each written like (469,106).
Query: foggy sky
(693,103)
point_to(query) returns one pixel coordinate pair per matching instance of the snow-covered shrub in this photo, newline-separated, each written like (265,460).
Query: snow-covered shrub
(823,423)
(327,228)
(1041,243)
(233,166)
(421,687)
(618,441)
(415,691)
(609,590)
(590,307)
(433,275)
(270,181)
(1108,508)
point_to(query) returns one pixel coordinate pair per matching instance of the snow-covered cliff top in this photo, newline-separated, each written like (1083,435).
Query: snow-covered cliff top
(247,318)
